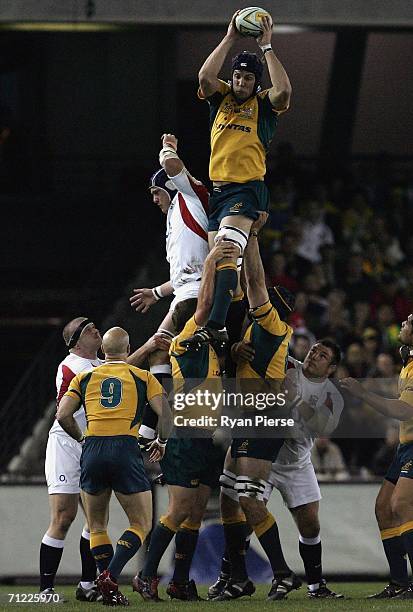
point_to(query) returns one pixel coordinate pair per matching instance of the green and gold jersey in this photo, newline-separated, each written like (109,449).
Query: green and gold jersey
(406,395)
(114,395)
(240,135)
(269,337)
(194,371)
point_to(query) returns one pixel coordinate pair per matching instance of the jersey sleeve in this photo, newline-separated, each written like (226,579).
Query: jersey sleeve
(196,197)
(67,376)
(190,328)
(267,317)
(217,96)
(407,394)
(74,388)
(327,416)
(153,387)
(267,106)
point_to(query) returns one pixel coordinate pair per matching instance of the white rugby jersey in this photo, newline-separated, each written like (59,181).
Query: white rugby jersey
(324,397)
(187,230)
(70,366)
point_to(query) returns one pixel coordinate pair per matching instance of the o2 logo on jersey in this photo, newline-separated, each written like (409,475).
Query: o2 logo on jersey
(111,392)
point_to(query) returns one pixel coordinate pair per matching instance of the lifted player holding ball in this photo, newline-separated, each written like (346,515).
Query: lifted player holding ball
(243,122)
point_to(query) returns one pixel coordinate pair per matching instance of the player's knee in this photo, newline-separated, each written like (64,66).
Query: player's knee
(383,512)
(63,519)
(310,528)
(401,508)
(254,510)
(233,234)
(158,357)
(227,482)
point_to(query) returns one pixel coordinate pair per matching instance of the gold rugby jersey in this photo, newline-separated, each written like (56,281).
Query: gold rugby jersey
(240,135)
(193,371)
(406,395)
(114,396)
(270,337)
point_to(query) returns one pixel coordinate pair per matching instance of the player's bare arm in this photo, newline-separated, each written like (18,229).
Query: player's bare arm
(280,92)
(253,268)
(144,298)
(222,250)
(158,341)
(160,406)
(394,408)
(168,156)
(208,74)
(67,408)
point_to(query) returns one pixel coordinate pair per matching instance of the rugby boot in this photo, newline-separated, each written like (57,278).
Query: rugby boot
(218,587)
(323,592)
(282,586)
(108,588)
(390,591)
(407,593)
(146,587)
(235,590)
(206,335)
(50,596)
(185,592)
(91,594)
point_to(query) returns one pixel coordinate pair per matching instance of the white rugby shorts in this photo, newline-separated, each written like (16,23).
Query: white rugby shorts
(185,292)
(297,484)
(62,465)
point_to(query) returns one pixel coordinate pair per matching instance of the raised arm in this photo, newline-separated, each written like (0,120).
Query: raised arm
(168,157)
(254,270)
(280,92)
(208,74)
(395,408)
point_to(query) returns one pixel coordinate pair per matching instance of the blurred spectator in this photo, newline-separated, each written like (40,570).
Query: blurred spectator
(300,345)
(356,284)
(335,321)
(295,265)
(385,455)
(371,346)
(315,232)
(384,367)
(328,460)
(276,272)
(361,317)
(389,329)
(354,360)
(298,318)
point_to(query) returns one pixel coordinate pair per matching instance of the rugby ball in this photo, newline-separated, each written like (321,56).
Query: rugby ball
(248,21)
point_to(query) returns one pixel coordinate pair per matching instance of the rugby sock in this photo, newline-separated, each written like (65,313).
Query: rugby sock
(86,557)
(395,554)
(185,542)
(51,551)
(101,549)
(126,547)
(406,534)
(160,540)
(310,552)
(225,284)
(235,319)
(235,537)
(267,534)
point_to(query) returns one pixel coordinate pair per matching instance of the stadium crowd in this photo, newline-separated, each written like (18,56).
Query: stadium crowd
(339,239)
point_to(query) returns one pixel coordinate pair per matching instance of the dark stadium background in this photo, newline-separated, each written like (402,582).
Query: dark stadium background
(86,110)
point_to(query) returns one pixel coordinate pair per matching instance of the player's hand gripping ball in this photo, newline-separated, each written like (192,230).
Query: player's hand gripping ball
(249,21)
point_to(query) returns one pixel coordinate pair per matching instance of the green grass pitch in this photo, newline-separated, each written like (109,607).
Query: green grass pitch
(355,593)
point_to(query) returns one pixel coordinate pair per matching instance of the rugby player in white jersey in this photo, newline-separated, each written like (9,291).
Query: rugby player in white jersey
(184,201)
(316,408)
(62,465)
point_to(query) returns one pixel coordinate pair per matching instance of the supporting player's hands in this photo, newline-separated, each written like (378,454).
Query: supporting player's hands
(158,341)
(242,351)
(265,37)
(353,386)
(232,32)
(156,451)
(171,140)
(290,386)
(260,222)
(223,249)
(142,300)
